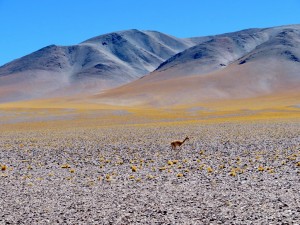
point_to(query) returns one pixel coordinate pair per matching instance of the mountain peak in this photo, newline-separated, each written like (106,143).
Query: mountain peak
(114,34)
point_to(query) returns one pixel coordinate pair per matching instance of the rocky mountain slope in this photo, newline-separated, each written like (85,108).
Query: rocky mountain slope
(98,63)
(241,64)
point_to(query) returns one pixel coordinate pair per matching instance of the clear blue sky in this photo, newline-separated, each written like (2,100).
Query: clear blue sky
(28,25)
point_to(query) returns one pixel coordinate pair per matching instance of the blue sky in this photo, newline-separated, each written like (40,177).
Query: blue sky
(28,25)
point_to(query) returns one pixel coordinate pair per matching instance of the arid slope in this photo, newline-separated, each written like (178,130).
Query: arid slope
(271,68)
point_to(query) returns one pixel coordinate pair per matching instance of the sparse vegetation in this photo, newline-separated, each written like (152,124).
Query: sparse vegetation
(3,167)
(134,168)
(117,169)
(65,166)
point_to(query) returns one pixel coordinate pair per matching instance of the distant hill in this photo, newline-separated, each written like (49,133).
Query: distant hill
(96,64)
(148,67)
(242,64)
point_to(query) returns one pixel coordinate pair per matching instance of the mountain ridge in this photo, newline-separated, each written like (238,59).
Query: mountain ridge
(109,60)
(130,57)
(268,67)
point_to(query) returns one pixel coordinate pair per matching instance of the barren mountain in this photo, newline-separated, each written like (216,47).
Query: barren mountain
(160,69)
(98,63)
(243,64)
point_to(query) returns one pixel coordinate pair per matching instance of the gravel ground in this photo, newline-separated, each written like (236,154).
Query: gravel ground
(225,174)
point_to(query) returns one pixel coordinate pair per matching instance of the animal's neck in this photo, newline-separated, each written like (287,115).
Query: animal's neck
(184,140)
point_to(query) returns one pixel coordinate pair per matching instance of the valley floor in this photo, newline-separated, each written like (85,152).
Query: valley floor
(78,172)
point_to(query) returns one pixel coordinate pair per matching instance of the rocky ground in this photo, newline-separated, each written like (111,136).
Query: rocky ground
(234,173)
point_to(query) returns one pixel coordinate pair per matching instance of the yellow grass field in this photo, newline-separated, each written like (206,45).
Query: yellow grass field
(62,113)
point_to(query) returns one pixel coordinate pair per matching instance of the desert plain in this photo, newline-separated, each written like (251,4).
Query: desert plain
(77,163)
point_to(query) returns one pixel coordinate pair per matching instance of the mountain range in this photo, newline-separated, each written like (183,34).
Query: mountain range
(135,67)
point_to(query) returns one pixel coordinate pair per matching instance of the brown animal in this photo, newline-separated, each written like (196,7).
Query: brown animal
(176,144)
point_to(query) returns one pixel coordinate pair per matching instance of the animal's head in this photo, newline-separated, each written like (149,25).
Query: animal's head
(187,138)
